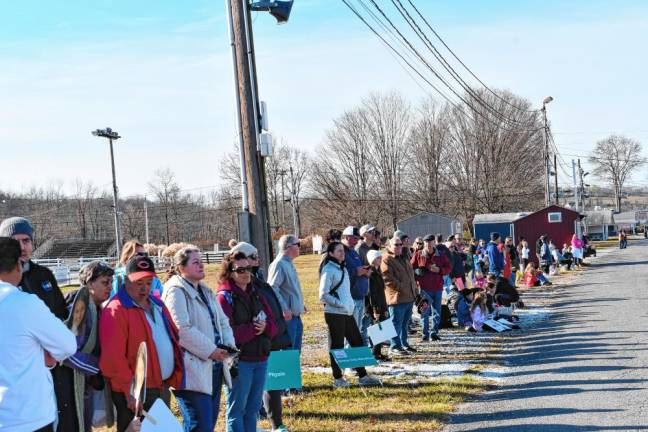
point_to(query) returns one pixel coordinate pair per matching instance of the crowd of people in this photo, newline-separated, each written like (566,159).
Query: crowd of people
(68,357)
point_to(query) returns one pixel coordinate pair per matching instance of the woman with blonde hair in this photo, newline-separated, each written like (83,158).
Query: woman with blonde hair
(131,249)
(205,336)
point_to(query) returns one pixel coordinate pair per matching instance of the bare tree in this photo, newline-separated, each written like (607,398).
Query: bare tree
(615,159)
(166,190)
(298,171)
(84,195)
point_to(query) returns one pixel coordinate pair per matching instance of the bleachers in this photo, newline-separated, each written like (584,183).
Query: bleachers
(75,248)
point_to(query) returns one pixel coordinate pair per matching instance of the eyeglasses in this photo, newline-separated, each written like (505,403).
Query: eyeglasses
(295,244)
(241,270)
(253,257)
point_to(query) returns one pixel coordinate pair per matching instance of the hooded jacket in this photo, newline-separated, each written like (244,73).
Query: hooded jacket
(197,339)
(400,284)
(340,302)
(242,308)
(495,258)
(122,327)
(427,280)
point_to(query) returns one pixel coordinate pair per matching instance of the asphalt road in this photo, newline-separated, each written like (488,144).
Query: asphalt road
(584,368)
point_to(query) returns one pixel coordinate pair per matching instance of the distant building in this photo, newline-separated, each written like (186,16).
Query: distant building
(426,223)
(599,224)
(627,221)
(502,223)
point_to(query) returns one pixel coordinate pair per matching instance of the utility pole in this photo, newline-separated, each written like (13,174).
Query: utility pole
(282,173)
(295,204)
(581,187)
(576,194)
(547,164)
(112,135)
(253,221)
(555,164)
(146,220)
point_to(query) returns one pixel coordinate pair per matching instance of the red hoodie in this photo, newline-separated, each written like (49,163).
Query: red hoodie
(245,333)
(431,281)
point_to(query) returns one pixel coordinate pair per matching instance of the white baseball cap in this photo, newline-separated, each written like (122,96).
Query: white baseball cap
(349,231)
(366,228)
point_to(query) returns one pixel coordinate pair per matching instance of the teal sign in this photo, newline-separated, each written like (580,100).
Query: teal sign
(354,357)
(284,371)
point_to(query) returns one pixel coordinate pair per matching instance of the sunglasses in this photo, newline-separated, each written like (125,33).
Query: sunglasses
(142,254)
(295,244)
(241,270)
(253,257)
(398,244)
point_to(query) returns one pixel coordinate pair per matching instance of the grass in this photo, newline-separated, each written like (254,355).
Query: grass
(401,405)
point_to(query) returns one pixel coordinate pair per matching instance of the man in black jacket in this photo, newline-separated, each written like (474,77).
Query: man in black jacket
(39,280)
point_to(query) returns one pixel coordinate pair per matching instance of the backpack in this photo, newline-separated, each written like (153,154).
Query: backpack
(333,290)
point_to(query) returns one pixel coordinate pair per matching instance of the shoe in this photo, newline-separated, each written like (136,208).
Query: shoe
(341,383)
(436,338)
(281,428)
(471,330)
(425,339)
(368,380)
(410,349)
(397,352)
(383,358)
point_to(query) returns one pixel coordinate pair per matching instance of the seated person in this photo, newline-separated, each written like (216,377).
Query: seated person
(462,307)
(505,294)
(560,258)
(478,312)
(533,276)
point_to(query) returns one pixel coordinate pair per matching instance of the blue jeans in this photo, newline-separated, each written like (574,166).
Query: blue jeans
(200,410)
(401,315)
(513,277)
(434,300)
(295,329)
(245,397)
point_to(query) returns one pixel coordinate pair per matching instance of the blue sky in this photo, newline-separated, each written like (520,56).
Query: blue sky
(160,73)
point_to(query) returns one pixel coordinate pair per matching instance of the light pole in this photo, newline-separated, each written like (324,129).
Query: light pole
(112,135)
(546,100)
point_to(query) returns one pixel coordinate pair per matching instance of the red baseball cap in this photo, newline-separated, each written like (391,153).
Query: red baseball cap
(140,267)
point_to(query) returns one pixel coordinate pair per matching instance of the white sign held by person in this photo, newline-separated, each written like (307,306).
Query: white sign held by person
(165,421)
(381,332)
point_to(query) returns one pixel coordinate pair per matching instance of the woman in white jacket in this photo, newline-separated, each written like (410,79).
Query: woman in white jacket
(335,293)
(203,328)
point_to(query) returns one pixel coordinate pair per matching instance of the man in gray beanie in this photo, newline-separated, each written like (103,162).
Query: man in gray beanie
(39,280)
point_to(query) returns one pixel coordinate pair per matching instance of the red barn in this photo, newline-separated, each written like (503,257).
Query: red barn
(557,222)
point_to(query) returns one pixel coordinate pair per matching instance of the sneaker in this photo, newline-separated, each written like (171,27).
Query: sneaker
(397,352)
(410,349)
(368,380)
(436,338)
(341,383)
(281,428)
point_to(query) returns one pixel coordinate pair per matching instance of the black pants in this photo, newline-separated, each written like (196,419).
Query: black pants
(343,327)
(124,414)
(272,406)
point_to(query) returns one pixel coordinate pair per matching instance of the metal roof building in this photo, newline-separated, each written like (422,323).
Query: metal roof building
(426,223)
(502,223)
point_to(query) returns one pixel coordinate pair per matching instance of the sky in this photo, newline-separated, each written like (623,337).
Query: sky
(160,73)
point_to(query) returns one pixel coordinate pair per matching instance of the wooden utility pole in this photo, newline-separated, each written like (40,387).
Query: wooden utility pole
(555,178)
(253,222)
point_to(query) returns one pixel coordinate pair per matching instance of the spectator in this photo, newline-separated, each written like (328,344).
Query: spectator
(81,371)
(478,311)
(495,256)
(131,317)
(283,278)
(39,280)
(523,253)
(131,249)
(400,292)
(558,257)
(375,302)
(368,235)
(407,244)
(205,333)
(359,274)
(335,294)
(534,276)
(254,327)
(419,245)
(545,257)
(271,399)
(458,265)
(429,268)
(505,294)
(31,339)
(443,249)
(462,307)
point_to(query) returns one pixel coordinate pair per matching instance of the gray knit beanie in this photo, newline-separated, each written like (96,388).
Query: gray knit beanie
(16,225)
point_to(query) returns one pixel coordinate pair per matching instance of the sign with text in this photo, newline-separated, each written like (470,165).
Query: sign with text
(381,332)
(498,327)
(284,370)
(354,357)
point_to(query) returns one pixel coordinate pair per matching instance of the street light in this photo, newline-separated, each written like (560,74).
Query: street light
(112,135)
(546,100)
(278,9)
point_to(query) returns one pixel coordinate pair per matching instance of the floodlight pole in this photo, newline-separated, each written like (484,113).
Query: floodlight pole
(112,135)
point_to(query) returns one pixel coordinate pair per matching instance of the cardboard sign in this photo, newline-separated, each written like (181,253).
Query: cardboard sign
(498,327)
(284,370)
(354,357)
(381,332)
(505,322)
(165,421)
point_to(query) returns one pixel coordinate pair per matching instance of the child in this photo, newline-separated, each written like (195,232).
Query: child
(480,280)
(534,276)
(462,307)
(478,311)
